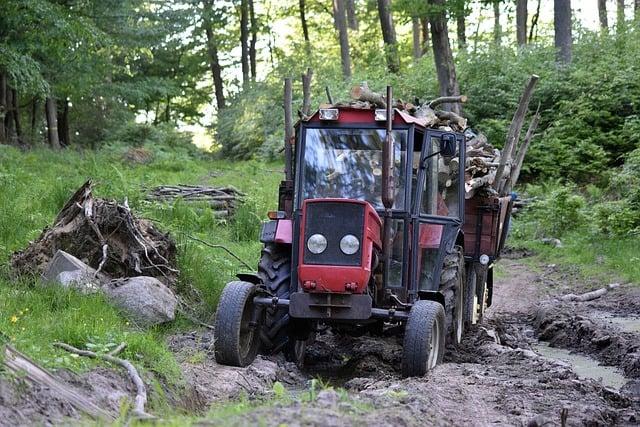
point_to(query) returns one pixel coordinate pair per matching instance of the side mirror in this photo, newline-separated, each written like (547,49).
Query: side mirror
(448,145)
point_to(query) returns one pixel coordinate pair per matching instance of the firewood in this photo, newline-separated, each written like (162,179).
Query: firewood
(448,100)
(452,118)
(363,93)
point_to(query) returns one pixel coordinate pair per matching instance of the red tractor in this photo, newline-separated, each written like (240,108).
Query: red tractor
(369,231)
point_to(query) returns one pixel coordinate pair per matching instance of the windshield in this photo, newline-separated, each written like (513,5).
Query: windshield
(347,164)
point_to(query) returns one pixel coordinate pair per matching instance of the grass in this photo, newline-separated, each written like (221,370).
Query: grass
(35,184)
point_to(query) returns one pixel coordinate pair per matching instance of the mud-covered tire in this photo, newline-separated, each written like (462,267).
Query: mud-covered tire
(274,269)
(470,300)
(424,338)
(452,284)
(236,339)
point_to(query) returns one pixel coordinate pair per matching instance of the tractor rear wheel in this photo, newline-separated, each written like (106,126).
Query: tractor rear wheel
(274,269)
(424,338)
(237,341)
(452,284)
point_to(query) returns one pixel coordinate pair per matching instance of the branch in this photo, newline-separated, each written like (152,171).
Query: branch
(211,245)
(141,390)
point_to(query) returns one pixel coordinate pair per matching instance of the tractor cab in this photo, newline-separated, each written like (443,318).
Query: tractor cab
(367,233)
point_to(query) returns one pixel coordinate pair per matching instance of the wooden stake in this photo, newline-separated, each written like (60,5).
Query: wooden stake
(515,128)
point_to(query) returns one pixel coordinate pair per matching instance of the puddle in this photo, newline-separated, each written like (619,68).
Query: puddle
(584,366)
(625,324)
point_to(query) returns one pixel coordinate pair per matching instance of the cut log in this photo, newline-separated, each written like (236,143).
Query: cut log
(522,151)
(452,117)
(363,93)
(586,296)
(22,366)
(448,100)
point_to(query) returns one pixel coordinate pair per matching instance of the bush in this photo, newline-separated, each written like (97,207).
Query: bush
(557,210)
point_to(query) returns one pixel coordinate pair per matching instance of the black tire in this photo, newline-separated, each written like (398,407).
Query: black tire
(470,300)
(236,339)
(452,283)
(424,338)
(274,269)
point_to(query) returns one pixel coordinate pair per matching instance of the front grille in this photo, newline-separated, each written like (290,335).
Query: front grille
(333,220)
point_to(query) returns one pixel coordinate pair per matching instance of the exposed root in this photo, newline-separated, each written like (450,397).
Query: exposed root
(141,390)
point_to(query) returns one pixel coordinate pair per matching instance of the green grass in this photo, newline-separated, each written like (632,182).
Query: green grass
(35,184)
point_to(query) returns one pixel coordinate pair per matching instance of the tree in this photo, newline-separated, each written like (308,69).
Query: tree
(343,36)
(562,29)
(352,16)
(497,28)
(620,16)
(416,33)
(424,23)
(602,15)
(521,22)
(254,39)
(442,55)
(302,6)
(389,35)
(52,123)
(212,50)
(533,31)
(244,40)
(461,28)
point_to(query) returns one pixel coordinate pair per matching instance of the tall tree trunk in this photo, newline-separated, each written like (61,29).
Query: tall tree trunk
(521,22)
(416,33)
(52,123)
(352,16)
(424,23)
(443,58)
(497,28)
(8,118)
(244,40)
(461,29)
(636,9)
(16,115)
(389,35)
(533,32)
(3,107)
(167,110)
(214,61)
(34,119)
(602,14)
(254,39)
(303,21)
(620,22)
(64,131)
(340,22)
(562,28)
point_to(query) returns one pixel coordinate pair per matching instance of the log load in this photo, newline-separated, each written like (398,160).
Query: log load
(222,200)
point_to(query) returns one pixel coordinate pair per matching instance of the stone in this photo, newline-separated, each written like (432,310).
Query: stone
(66,270)
(145,300)
(327,398)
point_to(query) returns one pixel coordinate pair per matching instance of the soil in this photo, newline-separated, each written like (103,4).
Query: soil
(495,377)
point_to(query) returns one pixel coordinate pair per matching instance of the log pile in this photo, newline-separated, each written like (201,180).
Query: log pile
(222,200)
(488,171)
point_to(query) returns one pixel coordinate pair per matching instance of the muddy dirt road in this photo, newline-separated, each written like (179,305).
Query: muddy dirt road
(498,376)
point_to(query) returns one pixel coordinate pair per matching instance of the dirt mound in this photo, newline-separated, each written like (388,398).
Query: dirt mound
(89,228)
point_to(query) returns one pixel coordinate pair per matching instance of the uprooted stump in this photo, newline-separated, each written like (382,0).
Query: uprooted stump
(107,236)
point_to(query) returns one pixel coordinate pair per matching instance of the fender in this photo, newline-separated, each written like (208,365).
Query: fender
(432,296)
(249,277)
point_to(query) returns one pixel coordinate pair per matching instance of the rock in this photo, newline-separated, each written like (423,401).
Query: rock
(144,299)
(327,398)
(556,243)
(68,271)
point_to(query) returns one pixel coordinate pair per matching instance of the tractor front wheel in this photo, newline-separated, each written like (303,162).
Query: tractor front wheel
(424,338)
(236,332)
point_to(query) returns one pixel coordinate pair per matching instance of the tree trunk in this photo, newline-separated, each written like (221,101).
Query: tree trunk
(497,28)
(340,21)
(167,110)
(244,40)
(620,23)
(303,21)
(521,22)
(424,23)
(416,33)
(443,58)
(562,27)
(52,123)
(8,118)
(254,39)
(34,119)
(3,107)
(533,32)
(352,17)
(636,9)
(64,133)
(602,14)
(16,115)
(214,61)
(461,29)
(389,35)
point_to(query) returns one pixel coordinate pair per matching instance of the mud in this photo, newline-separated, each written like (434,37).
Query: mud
(495,377)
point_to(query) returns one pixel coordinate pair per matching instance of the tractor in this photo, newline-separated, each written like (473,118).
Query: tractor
(370,231)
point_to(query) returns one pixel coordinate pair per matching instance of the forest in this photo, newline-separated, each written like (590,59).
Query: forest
(143,96)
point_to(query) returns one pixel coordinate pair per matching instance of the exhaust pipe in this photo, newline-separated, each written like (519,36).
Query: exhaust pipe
(388,186)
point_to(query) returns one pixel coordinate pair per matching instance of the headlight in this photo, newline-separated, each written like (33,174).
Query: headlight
(317,243)
(349,244)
